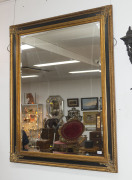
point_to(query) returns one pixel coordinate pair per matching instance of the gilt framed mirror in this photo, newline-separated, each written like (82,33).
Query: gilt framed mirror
(55,107)
(69,56)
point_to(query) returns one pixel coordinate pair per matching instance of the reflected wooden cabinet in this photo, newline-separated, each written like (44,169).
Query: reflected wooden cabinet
(96,137)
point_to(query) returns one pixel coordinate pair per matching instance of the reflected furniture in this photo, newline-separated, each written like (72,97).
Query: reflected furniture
(74,113)
(71,130)
(88,151)
(96,137)
(52,123)
(70,136)
(43,145)
(49,134)
(47,138)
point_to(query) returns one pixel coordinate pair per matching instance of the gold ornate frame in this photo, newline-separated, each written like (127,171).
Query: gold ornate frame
(109,161)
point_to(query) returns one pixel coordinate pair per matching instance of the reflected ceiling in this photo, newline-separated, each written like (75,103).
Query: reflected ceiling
(62,45)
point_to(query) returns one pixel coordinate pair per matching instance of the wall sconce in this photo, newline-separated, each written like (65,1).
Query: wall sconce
(128,42)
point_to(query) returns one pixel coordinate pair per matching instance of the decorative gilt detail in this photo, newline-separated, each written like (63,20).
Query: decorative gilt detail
(14,157)
(110,166)
(13,30)
(106,13)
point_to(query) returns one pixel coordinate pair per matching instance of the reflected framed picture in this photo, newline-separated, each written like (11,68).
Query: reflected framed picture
(93,120)
(89,118)
(73,102)
(29,98)
(89,103)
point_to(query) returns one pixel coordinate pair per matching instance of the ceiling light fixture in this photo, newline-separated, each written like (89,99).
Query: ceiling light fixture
(56,63)
(85,71)
(30,76)
(26,46)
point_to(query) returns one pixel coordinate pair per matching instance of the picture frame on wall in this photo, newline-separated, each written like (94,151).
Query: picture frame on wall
(88,104)
(74,102)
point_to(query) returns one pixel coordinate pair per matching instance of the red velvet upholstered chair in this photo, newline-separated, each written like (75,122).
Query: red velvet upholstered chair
(70,133)
(71,130)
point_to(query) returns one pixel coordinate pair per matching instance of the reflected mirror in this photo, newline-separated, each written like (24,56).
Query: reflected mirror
(62,74)
(55,107)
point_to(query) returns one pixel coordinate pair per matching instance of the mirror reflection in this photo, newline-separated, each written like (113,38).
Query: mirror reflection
(54,107)
(61,94)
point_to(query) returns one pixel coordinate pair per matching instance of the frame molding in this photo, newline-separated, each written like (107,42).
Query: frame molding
(107,163)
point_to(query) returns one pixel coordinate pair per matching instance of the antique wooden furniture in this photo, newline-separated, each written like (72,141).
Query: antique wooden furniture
(88,151)
(69,136)
(71,130)
(48,136)
(43,144)
(96,137)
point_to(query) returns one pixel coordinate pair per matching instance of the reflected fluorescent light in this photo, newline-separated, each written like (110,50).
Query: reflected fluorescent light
(26,46)
(30,76)
(56,63)
(98,25)
(86,71)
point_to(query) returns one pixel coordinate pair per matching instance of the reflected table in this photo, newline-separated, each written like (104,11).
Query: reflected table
(90,151)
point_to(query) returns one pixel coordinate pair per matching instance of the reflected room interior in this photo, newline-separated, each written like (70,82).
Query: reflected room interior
(61,93)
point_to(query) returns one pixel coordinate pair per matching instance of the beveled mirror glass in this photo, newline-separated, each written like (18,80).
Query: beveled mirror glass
(62,91)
